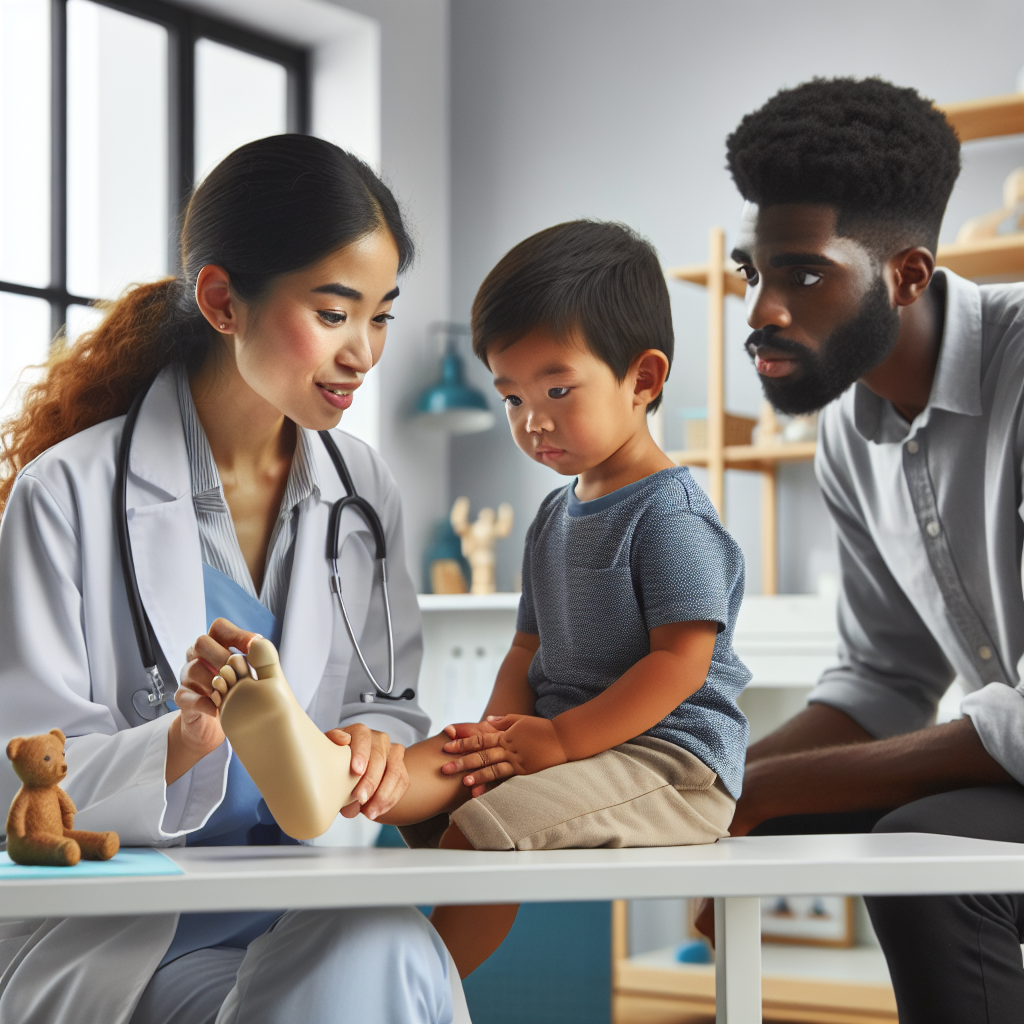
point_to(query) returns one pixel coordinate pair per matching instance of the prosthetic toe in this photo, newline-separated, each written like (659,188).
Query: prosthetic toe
(301,774)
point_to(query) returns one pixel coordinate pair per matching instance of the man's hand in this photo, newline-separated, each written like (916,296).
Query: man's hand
(704,919)
(757,801)
(382,766)
(505,745)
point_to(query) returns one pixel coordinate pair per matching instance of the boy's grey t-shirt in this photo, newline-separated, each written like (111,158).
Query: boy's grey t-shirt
(597,575)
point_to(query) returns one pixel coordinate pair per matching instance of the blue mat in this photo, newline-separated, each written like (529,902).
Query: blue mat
(125,863)
(554,968)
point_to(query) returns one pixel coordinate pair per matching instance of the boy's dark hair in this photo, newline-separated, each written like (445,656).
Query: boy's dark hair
(884,156)
(596,278)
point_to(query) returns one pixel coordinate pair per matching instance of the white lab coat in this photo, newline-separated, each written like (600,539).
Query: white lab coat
(68,658)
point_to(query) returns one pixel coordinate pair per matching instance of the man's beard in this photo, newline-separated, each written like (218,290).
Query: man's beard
(845,356)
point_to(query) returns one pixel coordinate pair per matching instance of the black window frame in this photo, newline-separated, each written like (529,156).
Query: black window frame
(185,28)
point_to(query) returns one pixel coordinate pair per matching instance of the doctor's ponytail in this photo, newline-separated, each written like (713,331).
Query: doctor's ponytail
(272,207)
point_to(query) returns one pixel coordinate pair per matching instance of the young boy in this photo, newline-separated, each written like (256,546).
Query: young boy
(613,720)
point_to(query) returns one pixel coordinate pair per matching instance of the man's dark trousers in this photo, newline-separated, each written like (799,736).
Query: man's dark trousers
(952,959)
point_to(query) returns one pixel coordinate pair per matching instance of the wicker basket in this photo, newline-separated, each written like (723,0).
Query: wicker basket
(737,431)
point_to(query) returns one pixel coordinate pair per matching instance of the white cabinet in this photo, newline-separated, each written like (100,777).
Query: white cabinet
(465,638)
(785,640)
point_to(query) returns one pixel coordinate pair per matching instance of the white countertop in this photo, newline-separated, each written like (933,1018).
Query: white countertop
(265,878)
(501,602)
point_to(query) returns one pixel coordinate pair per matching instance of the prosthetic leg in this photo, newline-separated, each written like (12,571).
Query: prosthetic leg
(302,775)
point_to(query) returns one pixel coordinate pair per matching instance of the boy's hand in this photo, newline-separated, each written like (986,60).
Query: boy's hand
(467,730)
(520,745)
(469,737)
(531,743)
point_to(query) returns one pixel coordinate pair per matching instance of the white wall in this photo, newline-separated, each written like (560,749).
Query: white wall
(414,160)
(619,109)
(380,89)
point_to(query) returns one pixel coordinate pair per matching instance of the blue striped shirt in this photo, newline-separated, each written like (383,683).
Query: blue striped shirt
(599,575)
(218,540)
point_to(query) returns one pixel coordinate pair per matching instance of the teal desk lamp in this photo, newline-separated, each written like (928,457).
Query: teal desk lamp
(451,404)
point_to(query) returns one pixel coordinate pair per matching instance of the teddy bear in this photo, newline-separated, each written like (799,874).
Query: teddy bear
(40,825)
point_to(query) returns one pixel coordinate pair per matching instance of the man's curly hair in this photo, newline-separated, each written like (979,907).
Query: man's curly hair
(884,156)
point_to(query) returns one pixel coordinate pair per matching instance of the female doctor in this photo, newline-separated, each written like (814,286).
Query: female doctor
(289,254)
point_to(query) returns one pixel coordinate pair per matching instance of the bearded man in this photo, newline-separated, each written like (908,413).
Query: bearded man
(920,376)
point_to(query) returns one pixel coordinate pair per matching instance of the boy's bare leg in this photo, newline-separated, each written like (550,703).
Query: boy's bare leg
(471,934)
(430,791)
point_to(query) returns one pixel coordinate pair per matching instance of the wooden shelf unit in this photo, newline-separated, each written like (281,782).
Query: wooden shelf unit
(720,278)
(756,458)
(654,995)
(1002,256)
(697,273)
(986,118)
(652,989)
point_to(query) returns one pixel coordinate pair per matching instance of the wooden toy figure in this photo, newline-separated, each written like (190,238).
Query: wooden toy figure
(40,825)
(478,540)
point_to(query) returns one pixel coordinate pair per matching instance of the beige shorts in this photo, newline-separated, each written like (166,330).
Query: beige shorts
(647,792)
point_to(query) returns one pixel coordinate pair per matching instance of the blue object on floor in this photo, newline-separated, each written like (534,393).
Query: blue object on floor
(554,968)
(694,952)
(128,861)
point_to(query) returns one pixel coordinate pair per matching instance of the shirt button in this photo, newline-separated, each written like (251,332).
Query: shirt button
(913,447)
(932,528)
(985,653)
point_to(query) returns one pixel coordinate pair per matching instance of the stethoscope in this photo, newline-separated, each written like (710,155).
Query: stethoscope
(153,700)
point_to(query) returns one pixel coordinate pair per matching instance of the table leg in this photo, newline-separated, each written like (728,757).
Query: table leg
(738,960)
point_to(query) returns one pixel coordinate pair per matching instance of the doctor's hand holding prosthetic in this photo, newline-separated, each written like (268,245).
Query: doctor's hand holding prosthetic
(197,731)
(377,767)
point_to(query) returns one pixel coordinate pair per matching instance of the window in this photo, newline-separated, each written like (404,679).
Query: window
(110,112)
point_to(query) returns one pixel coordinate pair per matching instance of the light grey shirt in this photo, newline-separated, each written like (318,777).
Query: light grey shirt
(218,540)
(929,520)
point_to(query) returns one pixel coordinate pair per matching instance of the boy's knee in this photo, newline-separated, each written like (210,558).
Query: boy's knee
(453,839)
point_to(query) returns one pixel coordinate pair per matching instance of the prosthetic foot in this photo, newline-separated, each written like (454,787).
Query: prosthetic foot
(301,774)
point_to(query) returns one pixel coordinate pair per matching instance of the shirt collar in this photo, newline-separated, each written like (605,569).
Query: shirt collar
(303,478)
(201,464)
(957,384)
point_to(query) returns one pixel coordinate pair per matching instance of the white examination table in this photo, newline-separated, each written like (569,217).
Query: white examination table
(736,871)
